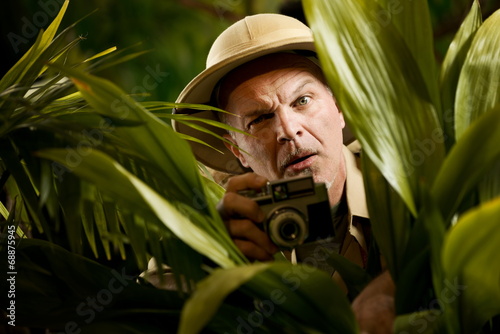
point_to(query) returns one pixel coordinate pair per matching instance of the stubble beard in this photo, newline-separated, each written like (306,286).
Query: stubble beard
(314,172)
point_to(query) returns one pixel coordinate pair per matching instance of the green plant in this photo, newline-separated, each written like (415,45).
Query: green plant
(91,170)
(428,135)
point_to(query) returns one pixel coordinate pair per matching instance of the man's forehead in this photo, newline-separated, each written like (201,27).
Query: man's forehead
(264,65)
(271,63)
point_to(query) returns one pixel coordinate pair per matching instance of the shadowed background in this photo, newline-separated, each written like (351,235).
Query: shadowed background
(178,33)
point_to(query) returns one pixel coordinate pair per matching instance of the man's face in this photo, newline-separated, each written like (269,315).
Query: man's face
(292,117)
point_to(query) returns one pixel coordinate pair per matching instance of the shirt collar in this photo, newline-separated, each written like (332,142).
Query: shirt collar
(355,190)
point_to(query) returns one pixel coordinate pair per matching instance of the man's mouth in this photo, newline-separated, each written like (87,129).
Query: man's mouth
(298,162)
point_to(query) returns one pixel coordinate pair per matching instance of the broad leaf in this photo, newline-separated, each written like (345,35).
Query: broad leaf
(474,154)
(210,294)
(354,277)
(422,322)
(470,247)
(412,19)
(430,217)
(381,91)
(282,290)
(452,66)
(389,216)
(478,89)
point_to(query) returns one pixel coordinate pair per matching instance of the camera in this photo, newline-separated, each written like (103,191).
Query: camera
(297,211)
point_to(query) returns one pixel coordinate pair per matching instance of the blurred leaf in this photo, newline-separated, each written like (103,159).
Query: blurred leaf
(24,184)
(210,294)
(489,187)
(304,293)
(452,66)
(473,155)
(430,217)
(412,20)
(354,277)
(478,89)
(414,282)
(308,295)
(470,247)
(60,290)
(422,322)
(101,54)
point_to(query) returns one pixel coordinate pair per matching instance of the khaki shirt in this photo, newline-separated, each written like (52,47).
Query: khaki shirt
(354,244)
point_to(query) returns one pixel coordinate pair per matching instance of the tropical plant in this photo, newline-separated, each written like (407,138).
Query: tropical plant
(428,134)
(92,171)
(88,170)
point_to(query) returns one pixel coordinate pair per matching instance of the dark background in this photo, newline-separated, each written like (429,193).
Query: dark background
(178,33)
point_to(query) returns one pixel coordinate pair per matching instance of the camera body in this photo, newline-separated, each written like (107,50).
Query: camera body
(297,211)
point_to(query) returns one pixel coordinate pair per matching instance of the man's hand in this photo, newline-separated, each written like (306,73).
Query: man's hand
(241,214)
(374,306)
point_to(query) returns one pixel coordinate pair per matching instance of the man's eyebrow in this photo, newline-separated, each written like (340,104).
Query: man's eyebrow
(299,88)
(253,113)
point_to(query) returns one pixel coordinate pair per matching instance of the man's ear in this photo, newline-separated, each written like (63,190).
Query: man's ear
(341,114)
(342,120)
(234,149)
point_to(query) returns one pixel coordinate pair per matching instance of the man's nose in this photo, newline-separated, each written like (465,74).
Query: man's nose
(288,127)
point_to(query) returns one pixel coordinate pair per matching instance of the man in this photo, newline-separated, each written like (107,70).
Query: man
(264,72)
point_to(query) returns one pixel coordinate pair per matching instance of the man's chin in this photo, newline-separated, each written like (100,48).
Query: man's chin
(314,173)
(304,172)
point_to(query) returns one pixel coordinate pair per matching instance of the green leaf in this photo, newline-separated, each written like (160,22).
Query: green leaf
(470,247)
(489,187)
(154,140)
(88,225)
(111,177)
(381,91)
(298,292)
(412,20)
(24,184)
(478,89)
(390,219)
(3,211)
(101,54)
(415,278)
(422,322)
(44,39)
(57,289)
(308,295)
(452,66)
(430,217)
(102,228)
(210,294)
(354,277)
(472,156)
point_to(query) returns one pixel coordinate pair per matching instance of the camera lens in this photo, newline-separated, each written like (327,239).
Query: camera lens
(287,228)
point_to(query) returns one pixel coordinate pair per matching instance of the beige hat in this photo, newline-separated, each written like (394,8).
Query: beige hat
(250,38)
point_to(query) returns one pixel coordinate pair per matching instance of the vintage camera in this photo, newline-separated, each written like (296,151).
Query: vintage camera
(297,211)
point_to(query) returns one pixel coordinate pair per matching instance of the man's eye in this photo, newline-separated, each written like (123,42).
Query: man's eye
(303,100)
(260,119)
